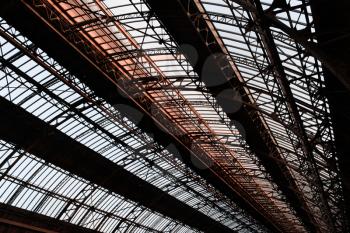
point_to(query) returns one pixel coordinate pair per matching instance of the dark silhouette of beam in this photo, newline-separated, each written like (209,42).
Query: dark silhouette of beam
(173,13)
(281,77)
(16,14)
(13,219)
(44,141)
(324,52)
(332,25)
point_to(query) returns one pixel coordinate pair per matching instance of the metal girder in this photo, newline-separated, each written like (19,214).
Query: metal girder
(89,73)
(332,25)
(330,59)
(281,78)
(192,30)
(14,219)
(38,138)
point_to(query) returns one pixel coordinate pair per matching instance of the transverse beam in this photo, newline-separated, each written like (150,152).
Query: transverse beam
(44,141)
(173,13)
(15,220)
(42,36)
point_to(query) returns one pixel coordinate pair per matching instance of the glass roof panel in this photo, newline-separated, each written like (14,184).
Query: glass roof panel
(102,128)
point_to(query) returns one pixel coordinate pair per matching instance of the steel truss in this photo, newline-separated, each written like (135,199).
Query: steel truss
(238,176)
(296,129)
(58,149)
(149,161)
(13,219)
(311,131)
(313,135)
(305,37)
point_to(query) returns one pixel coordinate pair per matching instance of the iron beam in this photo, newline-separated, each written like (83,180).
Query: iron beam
(13,219)
(330,58)
(52,43)
(173,13)
(281,78)
(44,141)
(332,25)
